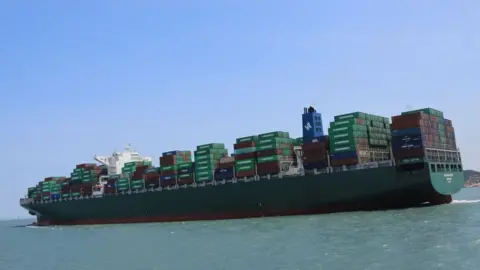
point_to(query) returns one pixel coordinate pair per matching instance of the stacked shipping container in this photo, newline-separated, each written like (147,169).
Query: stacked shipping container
(245,156)
(171,165)
(225,169)
(83,178)
(152,177)
(51,187)
(315,153)
(207,158)
(111,186)
(272,149)
(359,138)
(414,131)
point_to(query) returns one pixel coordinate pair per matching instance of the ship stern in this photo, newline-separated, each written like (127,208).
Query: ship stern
(447,183)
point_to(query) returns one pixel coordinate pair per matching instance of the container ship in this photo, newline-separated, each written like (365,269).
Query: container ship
(364,163)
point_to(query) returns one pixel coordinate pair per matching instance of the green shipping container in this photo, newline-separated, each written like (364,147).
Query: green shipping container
(185,165)
(377,136)
(153,170)
(340,149)
(429,111)
(245,150)
(203,163)
(377,124)
(206,167)
(268,135)
(65,195)
(169,168)
(122,185)
(208,151)
(211,145)
(275,140)
(337,130)
(138,186)
(378,142)
(360,115)
(375,118)
(244,167)
(210,157)
(349,122)
(347,142)
(273,146)
(137,182)
(348,135)
(277,158)
(247,139)
(377,130)
(185,175)
(203,176)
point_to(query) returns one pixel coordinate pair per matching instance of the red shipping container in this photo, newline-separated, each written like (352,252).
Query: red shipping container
(167,183)
(226,165)
(246,156)
(244,145)
(185,181)
(247,174)
(265,168)
(345,161)
(152,177)
(320,146)
(86,166)
(168,172)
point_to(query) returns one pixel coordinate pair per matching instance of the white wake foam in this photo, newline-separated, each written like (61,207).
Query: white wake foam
(466,201)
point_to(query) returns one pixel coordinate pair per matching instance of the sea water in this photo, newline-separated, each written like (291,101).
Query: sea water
(440,237)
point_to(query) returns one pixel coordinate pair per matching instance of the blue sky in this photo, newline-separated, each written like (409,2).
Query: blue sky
(79,78)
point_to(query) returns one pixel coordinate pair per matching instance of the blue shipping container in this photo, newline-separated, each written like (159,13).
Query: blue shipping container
(169,153)
(315,165)
(55,196)
(408,131)
(406,142)
(225,173)
(168,177)
(186,170)
(312,125)
(343,155)
(315,139)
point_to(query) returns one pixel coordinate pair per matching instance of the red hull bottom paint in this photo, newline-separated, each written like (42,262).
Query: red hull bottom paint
(337,208)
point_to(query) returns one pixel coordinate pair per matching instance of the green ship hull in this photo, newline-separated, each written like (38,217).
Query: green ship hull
(366,189)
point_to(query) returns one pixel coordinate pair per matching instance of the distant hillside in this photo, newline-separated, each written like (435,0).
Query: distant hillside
(471,173)
(471,177)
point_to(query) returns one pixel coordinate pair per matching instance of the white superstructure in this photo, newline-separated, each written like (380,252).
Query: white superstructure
(117,160)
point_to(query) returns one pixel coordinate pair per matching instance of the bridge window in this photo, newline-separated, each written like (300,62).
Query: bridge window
(432,167)
(459,167)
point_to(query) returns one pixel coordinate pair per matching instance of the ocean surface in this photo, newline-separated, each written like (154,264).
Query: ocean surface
(441,237)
